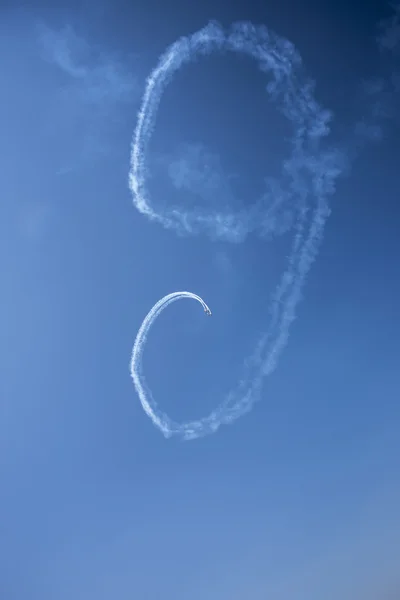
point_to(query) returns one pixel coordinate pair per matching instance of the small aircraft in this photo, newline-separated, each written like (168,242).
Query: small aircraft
(208,312)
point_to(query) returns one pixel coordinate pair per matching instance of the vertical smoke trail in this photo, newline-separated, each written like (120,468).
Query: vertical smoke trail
(308,177)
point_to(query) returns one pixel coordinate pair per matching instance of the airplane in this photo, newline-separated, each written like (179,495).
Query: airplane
(208,312)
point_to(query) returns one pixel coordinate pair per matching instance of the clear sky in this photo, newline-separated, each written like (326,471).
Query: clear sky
(297,498)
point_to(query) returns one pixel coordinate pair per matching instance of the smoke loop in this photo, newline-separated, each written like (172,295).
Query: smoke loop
(309,176)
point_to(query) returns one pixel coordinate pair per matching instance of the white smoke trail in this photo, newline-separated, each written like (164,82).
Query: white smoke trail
(308,177)
(160,419)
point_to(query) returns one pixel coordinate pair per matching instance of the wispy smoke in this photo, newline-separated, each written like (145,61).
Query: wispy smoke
(101,79)
(96,86)
(198,171)
(297,201)
(382,92)
(212,194)
(309,176)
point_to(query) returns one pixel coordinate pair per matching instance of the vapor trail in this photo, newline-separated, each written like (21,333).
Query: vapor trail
(308,178)
(160,419)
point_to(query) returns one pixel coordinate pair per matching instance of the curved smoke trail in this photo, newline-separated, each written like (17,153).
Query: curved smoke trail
(308,177)
(160,419)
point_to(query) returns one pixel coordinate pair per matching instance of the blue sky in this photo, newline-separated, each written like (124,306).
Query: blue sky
(296,499)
